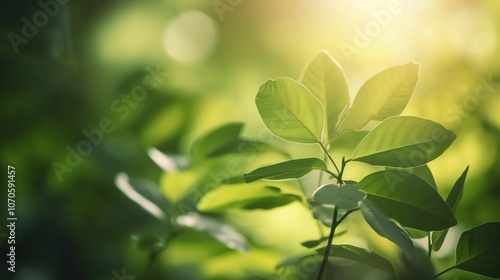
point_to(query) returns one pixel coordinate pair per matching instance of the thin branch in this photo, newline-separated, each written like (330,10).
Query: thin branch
(429,246)
(328,245)
(329,156)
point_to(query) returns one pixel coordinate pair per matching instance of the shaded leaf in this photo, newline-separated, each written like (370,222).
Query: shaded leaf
(478,250)
(221,232)
(384,95)
(205,145)
(406,197)
(315,243)
(245,197)
(361,255)
(345,196)
(323,76)
(453,199)
(379,222)
(290,111)
(286,170)
(323,213)
(403,142)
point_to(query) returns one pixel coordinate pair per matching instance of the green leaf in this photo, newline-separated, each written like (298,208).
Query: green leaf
(323,76)
(314,243)
(286,170)
(379,222)
(409,199)
(345,196)
(422,171)
(384,95)
(404,142)
(212,141)
(361,255)
(478,250)
(290,111)
(453,199)
(245,197)
(221,232)
(415,233)
(323,213)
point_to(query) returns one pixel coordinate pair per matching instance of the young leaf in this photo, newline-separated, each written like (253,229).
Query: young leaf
(404,142)
(422,171)
(290,111)
(384,95)
(453,199)
(245,197)
(314,243)
(345,196)
(409,199)
(323,76)
(361,255)
(379,222)
(478,250)
(286,170)
(215,139)
(223,233)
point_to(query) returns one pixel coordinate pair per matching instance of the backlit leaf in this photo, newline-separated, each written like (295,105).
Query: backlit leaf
(290,111)
(384,95)
(404,142)
(323,76)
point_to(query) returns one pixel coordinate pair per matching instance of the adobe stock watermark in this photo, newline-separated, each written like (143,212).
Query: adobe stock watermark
(224,6)
(121,107)
(121,276)
(39,19)
(364,35)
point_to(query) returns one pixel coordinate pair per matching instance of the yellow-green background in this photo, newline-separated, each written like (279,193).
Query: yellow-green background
(67,76)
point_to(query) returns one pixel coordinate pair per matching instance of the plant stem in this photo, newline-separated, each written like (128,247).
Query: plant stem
(330,157)
(155,254)
(152,259)
(342,168)
(329,244)
(429,246)
(335,223)
(442,272)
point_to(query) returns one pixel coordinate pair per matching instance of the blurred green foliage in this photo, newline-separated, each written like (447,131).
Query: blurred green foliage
(92,54)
